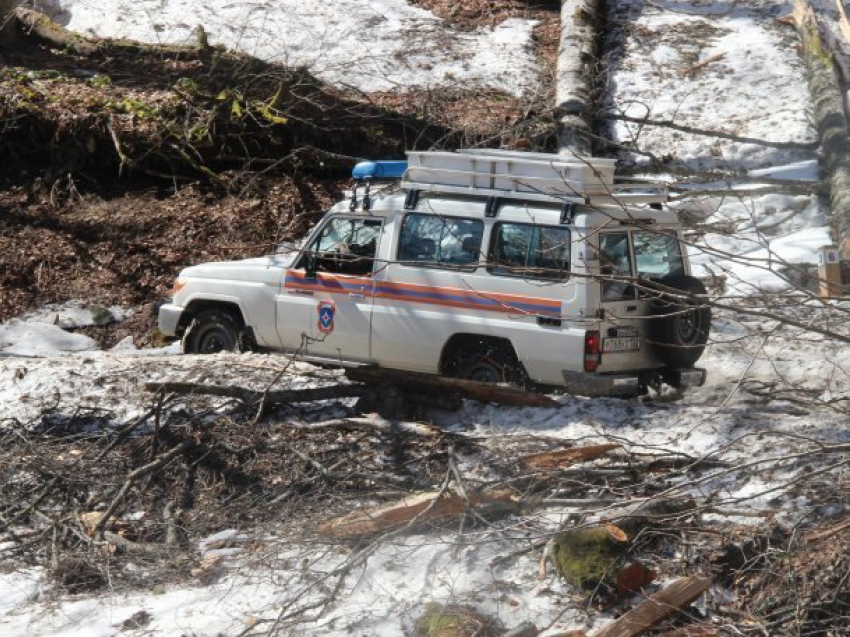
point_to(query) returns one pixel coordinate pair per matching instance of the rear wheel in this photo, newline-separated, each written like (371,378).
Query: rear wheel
(488,362)
(681,327)
(213,331)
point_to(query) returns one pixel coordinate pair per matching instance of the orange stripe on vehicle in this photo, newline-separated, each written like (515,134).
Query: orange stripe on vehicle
(415,293)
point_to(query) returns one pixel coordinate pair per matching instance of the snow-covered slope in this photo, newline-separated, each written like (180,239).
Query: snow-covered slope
(372,45)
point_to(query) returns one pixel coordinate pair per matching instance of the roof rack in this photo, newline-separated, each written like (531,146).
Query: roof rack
(525,176)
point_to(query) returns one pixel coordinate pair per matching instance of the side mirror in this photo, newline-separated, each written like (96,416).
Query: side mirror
(310,265)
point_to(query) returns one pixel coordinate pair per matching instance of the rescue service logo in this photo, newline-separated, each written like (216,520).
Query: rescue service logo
(327,310)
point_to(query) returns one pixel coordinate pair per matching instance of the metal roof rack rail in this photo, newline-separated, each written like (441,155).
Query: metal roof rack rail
(525,176)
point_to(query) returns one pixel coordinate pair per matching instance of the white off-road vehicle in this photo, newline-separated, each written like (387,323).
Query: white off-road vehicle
(486,265)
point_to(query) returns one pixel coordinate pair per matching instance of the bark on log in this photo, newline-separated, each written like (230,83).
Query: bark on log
(376,423)
(566,457)
(576,73)
(831,121)
(41,27)
(253,396)
(657,607)
(484,392)
(424,507)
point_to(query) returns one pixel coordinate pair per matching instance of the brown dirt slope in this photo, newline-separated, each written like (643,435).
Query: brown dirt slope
(120,168)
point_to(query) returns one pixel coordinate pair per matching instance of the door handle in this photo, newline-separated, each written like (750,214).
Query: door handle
(631,308)
(356,295)
(300,292)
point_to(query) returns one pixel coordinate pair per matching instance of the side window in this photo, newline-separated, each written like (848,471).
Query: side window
(540,252)
(657,254)
(440,241)
(615,266)
(347,246)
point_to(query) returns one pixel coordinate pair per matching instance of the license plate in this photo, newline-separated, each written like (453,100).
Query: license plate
(621,344)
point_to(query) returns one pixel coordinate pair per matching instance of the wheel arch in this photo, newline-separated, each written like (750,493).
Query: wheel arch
(461,341)
(196,306)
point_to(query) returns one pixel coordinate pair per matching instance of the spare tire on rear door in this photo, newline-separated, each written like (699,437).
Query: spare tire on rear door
(681,322)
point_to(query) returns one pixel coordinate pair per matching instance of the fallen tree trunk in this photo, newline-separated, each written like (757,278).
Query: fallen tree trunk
(39,26)
(417,382)
(576,75)
(830,118)
(307,395)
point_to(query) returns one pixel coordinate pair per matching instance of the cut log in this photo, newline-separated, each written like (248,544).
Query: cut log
(417,382)
(830,118)
(576,75)
(424,507)
(566,457)
(307,395)
(657,607)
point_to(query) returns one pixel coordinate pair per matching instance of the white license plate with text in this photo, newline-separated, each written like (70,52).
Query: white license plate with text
(621,344)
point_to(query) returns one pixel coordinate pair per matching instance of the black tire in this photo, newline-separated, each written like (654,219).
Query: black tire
(680,329)
(488,362)
(213,331)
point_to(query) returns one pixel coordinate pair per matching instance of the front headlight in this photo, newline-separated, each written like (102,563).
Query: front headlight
(179,284)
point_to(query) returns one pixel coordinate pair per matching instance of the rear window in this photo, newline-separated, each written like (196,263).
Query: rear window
(657,254)
(526,250)
(451,242)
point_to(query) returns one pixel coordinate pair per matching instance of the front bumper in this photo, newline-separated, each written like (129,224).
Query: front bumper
(168,318)
(588,384)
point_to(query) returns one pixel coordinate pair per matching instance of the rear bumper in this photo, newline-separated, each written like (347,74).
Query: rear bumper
(601,384)
(630,384)
(168,318)
(691,377)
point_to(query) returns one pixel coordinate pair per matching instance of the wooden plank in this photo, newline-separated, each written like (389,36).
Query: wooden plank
(657,607)
(418,382)
(566,457)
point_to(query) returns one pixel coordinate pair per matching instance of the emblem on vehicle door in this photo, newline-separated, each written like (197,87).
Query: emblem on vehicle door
(327,310)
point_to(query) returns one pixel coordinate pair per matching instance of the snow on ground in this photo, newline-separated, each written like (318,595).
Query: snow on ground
(384,596)
(754,87)
(735,69)
(753,83)
(372,45)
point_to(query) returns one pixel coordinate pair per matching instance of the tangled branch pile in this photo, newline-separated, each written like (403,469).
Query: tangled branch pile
(91,500)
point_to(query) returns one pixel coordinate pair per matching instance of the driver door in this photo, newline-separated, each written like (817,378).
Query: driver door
(324,308)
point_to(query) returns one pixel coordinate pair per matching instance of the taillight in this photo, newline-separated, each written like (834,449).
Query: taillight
(592,351)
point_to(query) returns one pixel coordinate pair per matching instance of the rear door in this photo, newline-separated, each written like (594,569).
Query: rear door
(628,260)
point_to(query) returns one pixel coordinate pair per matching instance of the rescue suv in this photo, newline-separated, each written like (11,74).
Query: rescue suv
(497,266)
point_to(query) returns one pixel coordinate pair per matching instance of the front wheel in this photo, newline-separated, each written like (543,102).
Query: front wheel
(212,331)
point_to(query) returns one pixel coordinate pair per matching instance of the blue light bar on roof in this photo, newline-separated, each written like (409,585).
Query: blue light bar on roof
(379,170)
